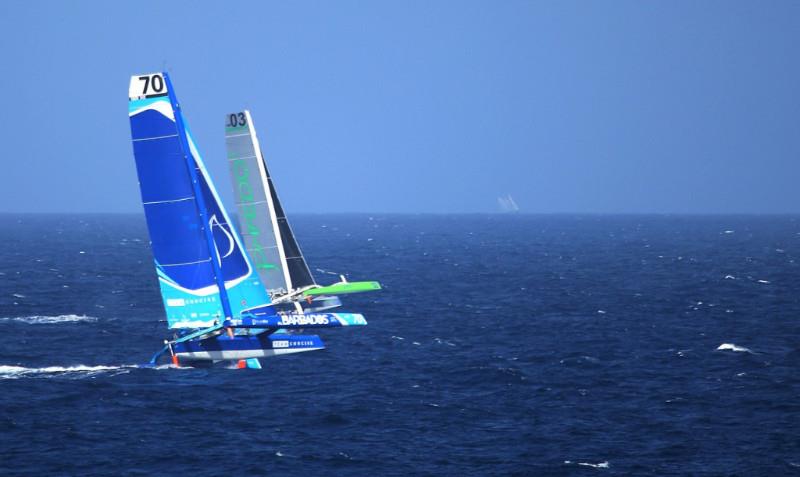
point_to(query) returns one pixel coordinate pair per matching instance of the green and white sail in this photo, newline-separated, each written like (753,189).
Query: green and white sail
(267,234)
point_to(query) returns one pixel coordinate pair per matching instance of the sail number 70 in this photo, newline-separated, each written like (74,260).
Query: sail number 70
(153,84)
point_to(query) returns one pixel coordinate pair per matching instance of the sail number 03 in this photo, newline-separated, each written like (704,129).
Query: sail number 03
(153,84)
(237,119)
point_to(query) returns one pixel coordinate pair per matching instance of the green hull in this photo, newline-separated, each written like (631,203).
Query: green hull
(343,288)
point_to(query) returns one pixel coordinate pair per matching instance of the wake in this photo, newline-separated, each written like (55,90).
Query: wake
(77,371)
(49,320)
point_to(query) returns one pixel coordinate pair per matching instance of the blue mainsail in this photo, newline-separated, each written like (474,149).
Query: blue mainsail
(204,272)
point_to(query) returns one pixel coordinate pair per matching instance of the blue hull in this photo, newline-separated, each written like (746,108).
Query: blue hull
(244,347)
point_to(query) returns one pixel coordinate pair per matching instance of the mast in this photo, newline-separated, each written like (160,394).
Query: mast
(201,205)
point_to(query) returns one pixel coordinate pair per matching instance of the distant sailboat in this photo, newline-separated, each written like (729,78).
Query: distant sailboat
(507,204)
(268,237)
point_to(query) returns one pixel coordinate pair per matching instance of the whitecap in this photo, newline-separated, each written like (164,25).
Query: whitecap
(729,231)
(18,295)
(600,465)
(733,347)
(49,320)
(763,281)
(398,338)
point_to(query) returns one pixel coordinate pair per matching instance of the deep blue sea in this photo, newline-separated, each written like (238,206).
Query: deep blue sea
(501,345)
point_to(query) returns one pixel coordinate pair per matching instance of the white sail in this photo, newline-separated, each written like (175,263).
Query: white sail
(513,204)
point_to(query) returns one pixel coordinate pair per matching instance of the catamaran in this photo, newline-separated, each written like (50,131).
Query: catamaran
(216,303)
(268,237)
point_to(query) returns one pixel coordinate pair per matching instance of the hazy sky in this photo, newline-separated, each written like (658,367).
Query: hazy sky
(429,106)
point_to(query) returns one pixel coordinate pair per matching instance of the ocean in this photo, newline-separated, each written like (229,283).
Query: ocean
(500,345)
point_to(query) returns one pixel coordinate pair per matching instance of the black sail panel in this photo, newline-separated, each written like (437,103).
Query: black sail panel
(295,262)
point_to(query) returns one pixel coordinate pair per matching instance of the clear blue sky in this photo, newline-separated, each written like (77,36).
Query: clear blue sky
(424,106)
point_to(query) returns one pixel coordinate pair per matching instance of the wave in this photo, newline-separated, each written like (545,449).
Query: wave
(79,370)
(49,320)
(733,347)
(599,465)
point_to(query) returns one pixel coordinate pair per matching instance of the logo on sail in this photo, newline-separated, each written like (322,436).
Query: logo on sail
(214,222)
